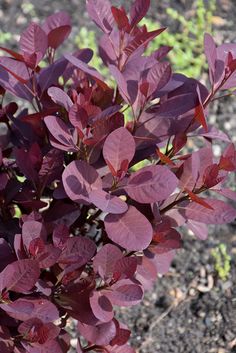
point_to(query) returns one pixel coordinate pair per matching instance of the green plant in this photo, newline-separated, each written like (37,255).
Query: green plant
(222,261)
(5,37)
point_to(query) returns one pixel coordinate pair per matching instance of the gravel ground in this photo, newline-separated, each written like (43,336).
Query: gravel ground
(190,310)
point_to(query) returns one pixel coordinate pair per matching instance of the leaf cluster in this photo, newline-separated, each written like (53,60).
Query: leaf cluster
(83,230)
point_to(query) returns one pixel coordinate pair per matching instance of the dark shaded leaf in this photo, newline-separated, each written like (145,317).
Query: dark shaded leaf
(138,11)
(57,27)
(77,251)
(79,179)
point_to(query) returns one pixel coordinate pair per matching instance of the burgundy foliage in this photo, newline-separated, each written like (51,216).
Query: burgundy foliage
(82,228)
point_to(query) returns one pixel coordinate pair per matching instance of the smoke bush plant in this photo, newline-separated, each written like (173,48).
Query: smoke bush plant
(81,231)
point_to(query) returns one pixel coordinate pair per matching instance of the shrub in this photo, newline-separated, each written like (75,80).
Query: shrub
(82,230)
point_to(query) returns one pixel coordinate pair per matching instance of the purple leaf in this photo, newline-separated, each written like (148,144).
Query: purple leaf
(48,257)
(105,260)
(125,267)
(79,179)
(60,97)
(107,202)
(20,276)
(198,229)
(141,40)
(35,330)
(130,230)
(90,71)
(176,106)
(29,162)
(151,184)
(12,85)
(119,149)
(77,250)
(101,334)
(122,334)
(100,12)
(191,171)
(33,230)
(122,349)
(57,27)
(210,52)
(34,41)
(65,138)
(159,75)
(60,235)
(213,133)
(138,11)
(25,309)
(125,293)
(221,213)
(163,261)
(146,272)
(51,167)
(50,75)
(101,306)
(17,69)
(230,194)
(48,347)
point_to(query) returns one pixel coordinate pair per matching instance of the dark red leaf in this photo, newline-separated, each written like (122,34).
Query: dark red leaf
(138,11)
(57,27)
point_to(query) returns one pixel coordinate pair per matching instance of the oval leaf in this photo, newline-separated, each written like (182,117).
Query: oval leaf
(20,276)
(101,306)
(125,293)
(78,250)
(151,184)
(220,214)
(118,150)
(100,334)
(130,230)
(105,260)
(79,179)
